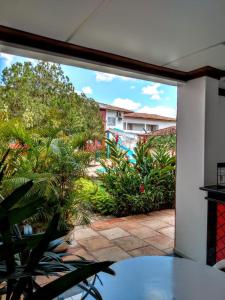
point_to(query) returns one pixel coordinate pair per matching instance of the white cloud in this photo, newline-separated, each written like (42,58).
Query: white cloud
(126,103)
(100,76)
(87,90)
(153,91)
(159,110)
(104,76)
(8,58)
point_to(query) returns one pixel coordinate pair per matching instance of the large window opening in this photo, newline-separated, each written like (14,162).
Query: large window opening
(92,141)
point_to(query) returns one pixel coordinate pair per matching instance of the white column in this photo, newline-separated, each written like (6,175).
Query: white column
(200,145)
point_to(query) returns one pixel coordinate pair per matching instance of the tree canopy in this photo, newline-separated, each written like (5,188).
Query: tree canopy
(42,98)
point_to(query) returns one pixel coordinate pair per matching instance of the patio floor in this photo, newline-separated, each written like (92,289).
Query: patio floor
(120,238)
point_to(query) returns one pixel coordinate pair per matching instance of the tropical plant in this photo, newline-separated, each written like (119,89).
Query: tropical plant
(143,186)
(168,141)
(53,166)
(95,196)
(46,124)
(25,258)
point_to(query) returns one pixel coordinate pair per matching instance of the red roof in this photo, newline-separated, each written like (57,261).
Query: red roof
(149,116)
(111,107)
(164,131)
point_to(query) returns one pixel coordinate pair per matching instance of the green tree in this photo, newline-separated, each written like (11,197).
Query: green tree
(43,97)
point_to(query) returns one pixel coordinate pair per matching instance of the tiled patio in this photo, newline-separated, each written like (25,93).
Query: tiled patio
(120,238)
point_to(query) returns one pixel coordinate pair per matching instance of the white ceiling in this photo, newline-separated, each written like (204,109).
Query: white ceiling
(181,34)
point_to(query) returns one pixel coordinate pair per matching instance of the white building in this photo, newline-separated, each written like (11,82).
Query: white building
(132,122)
(142,122)
(112,116)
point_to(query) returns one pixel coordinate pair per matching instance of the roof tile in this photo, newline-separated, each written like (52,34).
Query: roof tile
(149,116)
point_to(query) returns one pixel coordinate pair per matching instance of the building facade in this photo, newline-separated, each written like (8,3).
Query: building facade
(132,122)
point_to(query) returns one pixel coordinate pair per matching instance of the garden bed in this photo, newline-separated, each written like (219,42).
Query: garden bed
(126,188)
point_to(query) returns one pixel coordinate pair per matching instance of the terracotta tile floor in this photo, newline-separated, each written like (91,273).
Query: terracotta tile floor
(120,238)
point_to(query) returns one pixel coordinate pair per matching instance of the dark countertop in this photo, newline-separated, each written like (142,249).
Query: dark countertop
(215,193)
(214,189)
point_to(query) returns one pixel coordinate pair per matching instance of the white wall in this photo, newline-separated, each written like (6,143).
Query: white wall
(200,145)
(190,205)
(119,123)
(113,113)
(161,124)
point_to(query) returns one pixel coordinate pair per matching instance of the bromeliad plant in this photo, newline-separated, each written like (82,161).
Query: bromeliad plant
(143,186)
(23,258)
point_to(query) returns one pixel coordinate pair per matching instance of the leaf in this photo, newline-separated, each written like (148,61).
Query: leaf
(14,197)
(17,215)
(39,250)
(4,158)
(7,244)
(60,285)
(2,173)
(36,256)
(19,245)
(28,243)
(54,244)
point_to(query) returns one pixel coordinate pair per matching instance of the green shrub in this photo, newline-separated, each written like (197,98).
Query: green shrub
(84,157)
(95,196)
(147,185)
(53,166)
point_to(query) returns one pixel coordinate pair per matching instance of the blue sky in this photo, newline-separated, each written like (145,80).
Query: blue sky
(134,94)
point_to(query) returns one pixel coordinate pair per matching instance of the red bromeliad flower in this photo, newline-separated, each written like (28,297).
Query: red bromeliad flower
(117,138)
(142,188)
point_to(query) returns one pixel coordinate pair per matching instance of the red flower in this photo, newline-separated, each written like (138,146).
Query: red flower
(117,138)
(142,188)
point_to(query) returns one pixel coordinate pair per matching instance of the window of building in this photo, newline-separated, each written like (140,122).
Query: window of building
(129,126)
(150,127)
(111,121)
(135,126)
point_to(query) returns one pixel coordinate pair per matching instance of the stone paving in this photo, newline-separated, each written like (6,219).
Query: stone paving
(120,238)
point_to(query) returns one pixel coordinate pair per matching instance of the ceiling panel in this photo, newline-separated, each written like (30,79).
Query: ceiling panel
(214,57)
(52,18)
(155,31)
